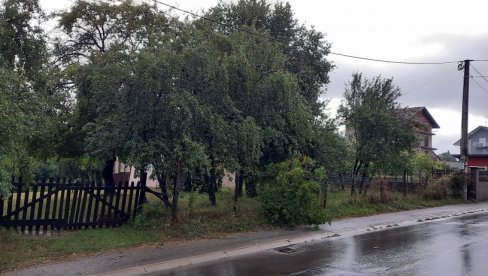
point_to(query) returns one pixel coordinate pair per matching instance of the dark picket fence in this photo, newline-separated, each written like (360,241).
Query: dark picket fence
(64,205)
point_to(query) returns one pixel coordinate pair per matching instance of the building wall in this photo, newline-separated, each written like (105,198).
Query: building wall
(478,161)
(481,186)
(424,135)
(427,127)
(478,142)
(123,173)
(229,179)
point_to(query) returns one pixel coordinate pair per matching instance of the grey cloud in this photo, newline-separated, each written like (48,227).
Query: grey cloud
(429,85)
(433,86)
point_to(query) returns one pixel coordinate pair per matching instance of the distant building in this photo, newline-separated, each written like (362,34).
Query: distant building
(425,123)
(477,148)
(125,173)
(424,129)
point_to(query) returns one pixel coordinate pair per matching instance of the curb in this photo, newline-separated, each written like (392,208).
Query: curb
(235,252)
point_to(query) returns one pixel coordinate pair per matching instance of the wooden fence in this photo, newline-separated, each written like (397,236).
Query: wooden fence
(63,205)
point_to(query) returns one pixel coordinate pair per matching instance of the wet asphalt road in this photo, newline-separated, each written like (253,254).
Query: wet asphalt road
(453,246)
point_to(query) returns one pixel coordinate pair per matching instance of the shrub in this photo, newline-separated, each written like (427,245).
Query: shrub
(458,181)
(290,194)
(380,192)
(440,188)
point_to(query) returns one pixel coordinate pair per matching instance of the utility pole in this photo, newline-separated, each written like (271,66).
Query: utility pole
(464,123)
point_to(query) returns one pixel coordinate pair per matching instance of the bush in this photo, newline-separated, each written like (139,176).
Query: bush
(440,188)
(458,182)
(290,195)
(380,192)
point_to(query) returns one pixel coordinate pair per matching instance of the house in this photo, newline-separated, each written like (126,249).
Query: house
(424,125)
(477,148)
(124,173)
(424,128)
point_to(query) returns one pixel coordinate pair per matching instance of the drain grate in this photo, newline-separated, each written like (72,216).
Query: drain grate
(286,250)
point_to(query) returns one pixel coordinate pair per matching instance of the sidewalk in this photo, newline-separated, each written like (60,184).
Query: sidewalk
(144,260)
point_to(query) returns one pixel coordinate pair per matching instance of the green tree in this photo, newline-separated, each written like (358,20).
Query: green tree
(191,98)
(91,29)
(423,166)
(376,127)
(305,49)
(447,156)
(95,33)
(32,109)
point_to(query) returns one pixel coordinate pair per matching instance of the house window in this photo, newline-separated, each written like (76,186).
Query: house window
(482,142)
(426,141)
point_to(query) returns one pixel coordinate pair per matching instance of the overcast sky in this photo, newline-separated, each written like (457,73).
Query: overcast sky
(413,31)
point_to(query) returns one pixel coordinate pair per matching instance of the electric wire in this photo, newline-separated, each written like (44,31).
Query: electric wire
(429,80)
(394,61)
(211,20)
(479,74)
(484,89)
(330,52)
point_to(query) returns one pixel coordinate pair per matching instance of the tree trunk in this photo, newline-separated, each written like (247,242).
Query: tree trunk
(382,191)
(212,183)
(369,182)
(238,187)
(108,173)
(251,183)
(363,177)
(143,178)
(357,166)
(164,189)
(404,183)
(240,182)
(176,192)
(325,194)
(343,186)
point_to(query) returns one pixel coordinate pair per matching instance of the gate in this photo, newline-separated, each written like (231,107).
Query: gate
(55,205)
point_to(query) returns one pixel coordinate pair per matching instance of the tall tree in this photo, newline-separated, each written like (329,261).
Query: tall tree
(28,88)
(91,29)
(305,48)
(94,34)
(22,39)
(376,128)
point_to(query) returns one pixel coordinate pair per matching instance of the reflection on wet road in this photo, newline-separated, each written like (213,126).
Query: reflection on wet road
(456,246)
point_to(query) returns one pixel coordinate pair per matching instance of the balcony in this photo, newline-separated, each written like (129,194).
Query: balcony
(480,145)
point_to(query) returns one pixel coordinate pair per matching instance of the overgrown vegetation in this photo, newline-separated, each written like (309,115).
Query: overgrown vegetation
(198,220)
(291,195)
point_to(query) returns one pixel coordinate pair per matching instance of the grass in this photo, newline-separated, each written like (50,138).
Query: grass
(342,205)
(197,220)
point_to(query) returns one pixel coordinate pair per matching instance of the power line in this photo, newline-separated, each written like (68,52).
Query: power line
(394,61)
(480,75)
(484,89)
(211,20)
(332,53)
(430,80)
